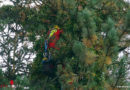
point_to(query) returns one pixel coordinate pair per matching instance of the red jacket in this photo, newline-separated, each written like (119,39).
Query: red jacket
(56,36)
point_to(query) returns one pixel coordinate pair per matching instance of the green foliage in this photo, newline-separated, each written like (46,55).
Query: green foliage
(2,78)
(21,82)
(87,23)
(78,48)
(127,21)
(89,46)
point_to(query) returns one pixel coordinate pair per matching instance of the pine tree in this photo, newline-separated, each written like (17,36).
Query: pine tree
(14,50)
(89,47)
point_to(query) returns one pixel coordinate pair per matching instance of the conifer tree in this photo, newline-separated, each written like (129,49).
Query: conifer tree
(14,51)
(93,32)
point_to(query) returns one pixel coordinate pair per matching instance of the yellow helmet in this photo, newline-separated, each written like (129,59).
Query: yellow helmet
(56,27)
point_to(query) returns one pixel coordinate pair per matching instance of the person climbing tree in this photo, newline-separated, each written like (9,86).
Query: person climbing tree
(55,34)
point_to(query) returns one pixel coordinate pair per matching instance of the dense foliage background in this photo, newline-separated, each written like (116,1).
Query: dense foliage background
(95,32)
